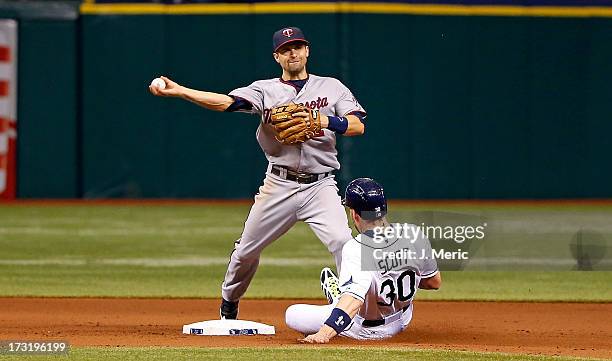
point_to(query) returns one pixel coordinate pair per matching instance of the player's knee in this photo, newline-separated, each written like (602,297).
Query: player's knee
(335,246)
(243,255)
(246,258)
(291,318)
(337,239)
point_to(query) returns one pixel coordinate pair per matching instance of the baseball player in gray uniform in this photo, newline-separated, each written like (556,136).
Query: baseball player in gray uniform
(370,300)
(299,183)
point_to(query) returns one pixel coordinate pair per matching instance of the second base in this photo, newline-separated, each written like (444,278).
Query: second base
(228,328)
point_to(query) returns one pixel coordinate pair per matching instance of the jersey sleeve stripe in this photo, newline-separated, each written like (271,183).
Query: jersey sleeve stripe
(359,114)
(429,275)
(354,295)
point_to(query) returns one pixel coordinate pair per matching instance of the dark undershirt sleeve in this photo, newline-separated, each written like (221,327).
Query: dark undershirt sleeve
(360,115)
(239,104)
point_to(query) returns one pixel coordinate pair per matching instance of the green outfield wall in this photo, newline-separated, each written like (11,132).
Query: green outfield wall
(48,97)
(458,106)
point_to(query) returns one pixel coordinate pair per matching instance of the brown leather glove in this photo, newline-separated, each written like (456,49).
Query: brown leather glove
(295,123)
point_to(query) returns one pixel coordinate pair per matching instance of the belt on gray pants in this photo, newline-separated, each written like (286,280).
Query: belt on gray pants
(300,177)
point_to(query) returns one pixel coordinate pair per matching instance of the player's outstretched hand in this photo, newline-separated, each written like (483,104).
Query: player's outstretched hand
(316,338)
(172,89)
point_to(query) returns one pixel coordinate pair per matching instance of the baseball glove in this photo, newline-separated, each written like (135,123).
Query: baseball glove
(291,126)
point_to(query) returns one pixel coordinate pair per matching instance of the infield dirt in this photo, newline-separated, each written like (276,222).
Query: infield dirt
(577,329)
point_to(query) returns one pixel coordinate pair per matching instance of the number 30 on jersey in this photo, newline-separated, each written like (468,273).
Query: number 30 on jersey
(402,288)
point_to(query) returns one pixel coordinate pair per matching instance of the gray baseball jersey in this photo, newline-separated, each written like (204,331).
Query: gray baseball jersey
(328,95)
(281,203)
(385,291)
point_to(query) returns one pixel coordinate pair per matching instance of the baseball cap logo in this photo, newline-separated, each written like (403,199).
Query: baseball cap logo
(288,32)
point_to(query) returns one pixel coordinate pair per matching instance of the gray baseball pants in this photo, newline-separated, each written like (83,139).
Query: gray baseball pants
(279,204)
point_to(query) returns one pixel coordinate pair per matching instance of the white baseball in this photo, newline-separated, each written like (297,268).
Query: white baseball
(159,83)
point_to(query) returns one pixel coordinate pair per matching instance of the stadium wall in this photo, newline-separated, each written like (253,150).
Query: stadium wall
(459,107)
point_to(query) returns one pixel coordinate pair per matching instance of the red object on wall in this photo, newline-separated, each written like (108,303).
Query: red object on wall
(4,87)
(5,53)
(8,116)
(8,166)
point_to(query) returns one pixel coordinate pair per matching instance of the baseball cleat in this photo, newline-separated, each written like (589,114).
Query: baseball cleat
(228,310)
(330,284)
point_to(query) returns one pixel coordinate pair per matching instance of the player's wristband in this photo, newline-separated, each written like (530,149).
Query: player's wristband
(337,124)
(338,320)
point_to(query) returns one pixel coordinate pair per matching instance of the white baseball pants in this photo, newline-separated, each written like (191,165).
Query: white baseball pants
(308,319)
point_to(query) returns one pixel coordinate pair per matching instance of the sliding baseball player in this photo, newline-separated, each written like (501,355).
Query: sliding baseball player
(370,300)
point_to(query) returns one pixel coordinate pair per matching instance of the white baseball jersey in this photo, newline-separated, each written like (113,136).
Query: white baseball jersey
(386,290)
(328,95)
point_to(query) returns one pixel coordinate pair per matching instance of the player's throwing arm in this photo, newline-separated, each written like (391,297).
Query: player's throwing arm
(208,100)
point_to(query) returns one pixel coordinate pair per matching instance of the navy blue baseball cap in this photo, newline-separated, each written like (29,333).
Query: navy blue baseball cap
(366,197)
(287,35)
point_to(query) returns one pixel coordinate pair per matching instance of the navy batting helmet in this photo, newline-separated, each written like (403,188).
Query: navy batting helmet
(366,197)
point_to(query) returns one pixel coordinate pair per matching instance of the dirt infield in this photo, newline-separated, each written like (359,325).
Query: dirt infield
(579,329)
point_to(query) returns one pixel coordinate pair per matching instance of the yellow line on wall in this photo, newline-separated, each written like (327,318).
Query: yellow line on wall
(345,7)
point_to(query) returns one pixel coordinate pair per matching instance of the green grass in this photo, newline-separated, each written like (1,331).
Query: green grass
(290,282)
(182,251)
(306,352)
